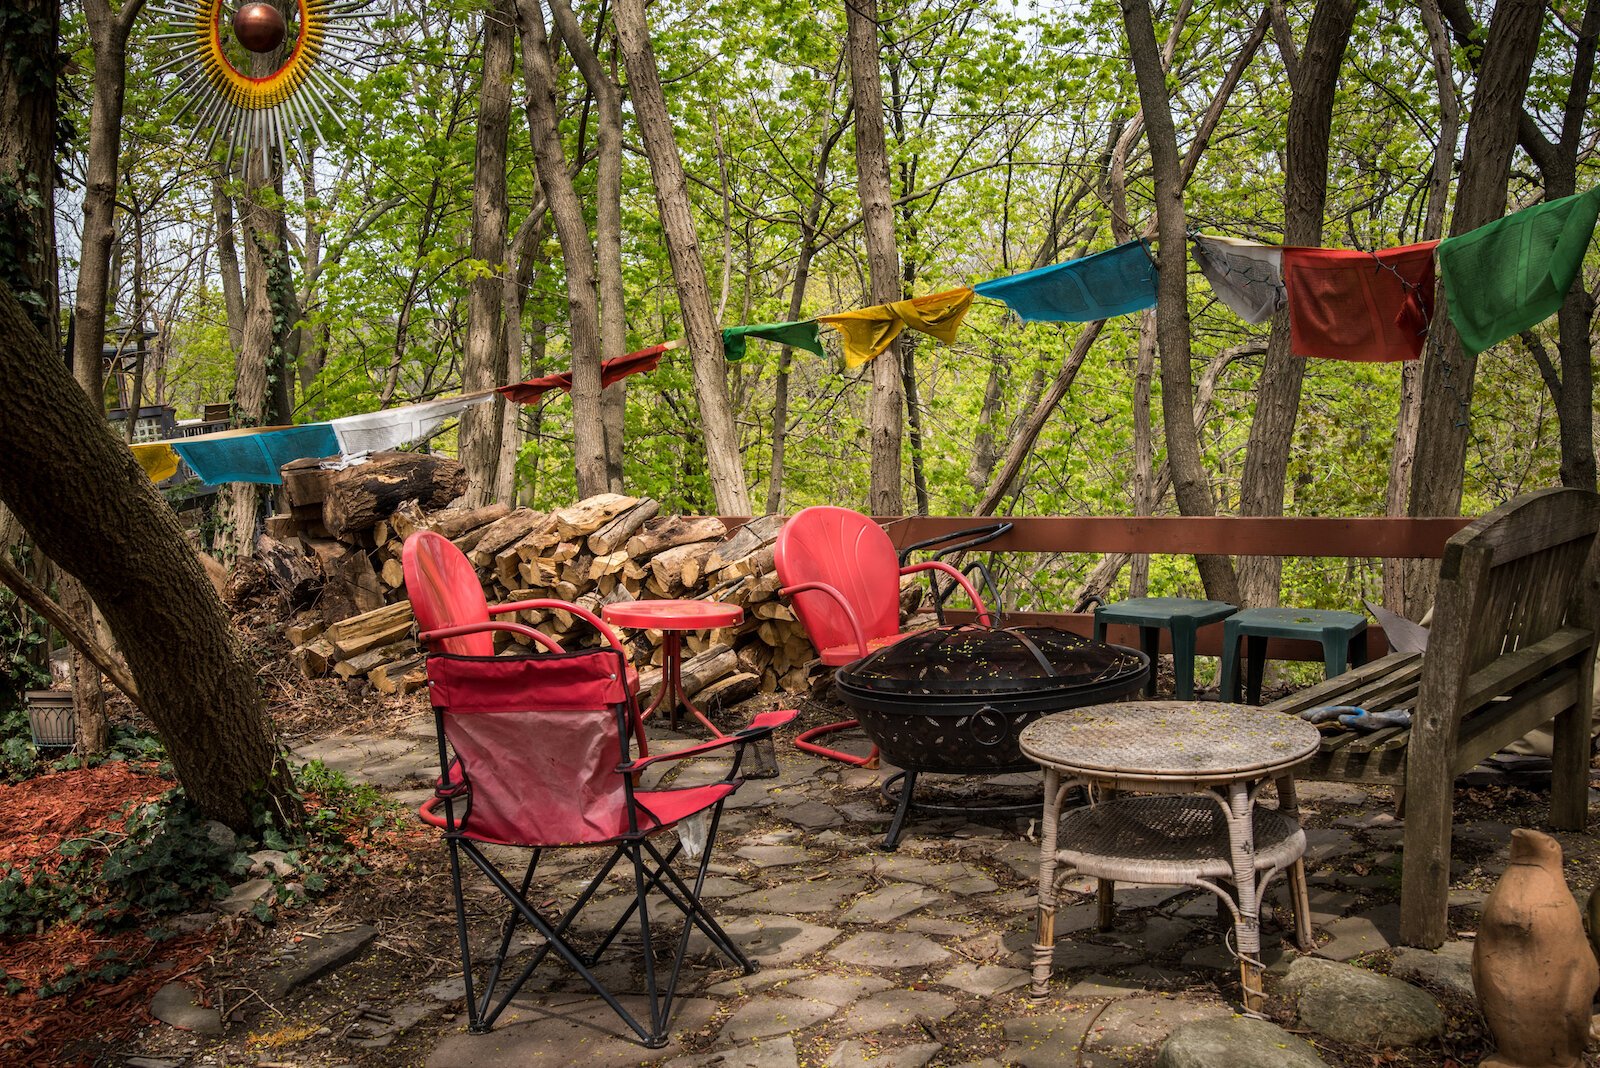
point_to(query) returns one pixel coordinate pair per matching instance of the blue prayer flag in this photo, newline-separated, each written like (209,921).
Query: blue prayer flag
(254,457)
(1114,282)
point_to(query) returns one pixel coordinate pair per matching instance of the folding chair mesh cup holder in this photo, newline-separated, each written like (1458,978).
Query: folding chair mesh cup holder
(532,755)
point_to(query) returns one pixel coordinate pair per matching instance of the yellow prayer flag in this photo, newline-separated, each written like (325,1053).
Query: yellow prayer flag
(157,459)
(869,331)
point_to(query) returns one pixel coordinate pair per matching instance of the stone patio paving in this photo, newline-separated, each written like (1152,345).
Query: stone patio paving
(920,956)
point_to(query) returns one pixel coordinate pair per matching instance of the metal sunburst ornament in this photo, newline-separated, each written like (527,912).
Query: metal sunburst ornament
(246,112)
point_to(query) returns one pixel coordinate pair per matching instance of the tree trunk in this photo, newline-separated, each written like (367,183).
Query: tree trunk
(1447,370)
(1305,195)
(1144,448)
(93,511)
(228,264)
(886,413)
(30,62)
(481,362)
(1189,479)
(688,271)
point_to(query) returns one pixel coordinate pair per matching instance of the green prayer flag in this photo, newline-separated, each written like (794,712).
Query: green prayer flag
(1505,277)
(801,335)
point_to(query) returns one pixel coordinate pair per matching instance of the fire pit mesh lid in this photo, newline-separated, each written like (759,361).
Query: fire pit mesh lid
(968,658)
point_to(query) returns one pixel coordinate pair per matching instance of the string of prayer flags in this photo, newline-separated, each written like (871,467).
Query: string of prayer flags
(254,454)
(801,335)
(867,332)
(612,370)
(1114,282)
(394,427)
(1503,278)
(1363,306)
(1244,275)
(157,459)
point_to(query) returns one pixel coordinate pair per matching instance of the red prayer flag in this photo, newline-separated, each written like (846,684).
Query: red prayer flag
(1369,306)
(612,370)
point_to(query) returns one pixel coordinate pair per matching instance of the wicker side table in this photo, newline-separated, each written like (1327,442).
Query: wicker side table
(1203,764)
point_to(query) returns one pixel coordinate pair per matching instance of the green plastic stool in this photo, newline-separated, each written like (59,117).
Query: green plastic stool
(1343,636)
(1180,615)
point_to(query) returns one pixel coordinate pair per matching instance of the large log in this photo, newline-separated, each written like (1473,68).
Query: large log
(592,513)
(290,571)
(728,692)
(668,566)
(661,534)
(305,483)
(760,531)
(357,497)
(505,532)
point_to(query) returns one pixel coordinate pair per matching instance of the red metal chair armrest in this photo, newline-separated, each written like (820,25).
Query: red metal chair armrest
(940,565)
(760,727)
(849,613)
(431,636)
(551,604)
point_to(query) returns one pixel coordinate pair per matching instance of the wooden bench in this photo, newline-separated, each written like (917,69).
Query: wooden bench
(1512,647)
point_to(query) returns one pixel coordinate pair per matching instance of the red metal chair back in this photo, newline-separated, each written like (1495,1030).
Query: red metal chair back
(539,739)
(849,552)
(445,592)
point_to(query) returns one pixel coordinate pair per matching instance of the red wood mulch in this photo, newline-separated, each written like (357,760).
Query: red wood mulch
(36,816)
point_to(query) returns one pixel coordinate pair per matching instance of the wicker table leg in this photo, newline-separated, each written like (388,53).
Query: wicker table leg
(1044,943)
(1247,922)
(1299,892)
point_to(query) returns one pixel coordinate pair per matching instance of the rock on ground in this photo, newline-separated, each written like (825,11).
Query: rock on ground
(1239,1042)
(1351,1005)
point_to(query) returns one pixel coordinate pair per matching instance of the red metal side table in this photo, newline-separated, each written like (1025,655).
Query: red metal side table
(673,619)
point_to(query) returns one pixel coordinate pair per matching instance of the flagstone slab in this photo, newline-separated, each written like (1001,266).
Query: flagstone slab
(564,1032)
(890,903)
(950,877)
(839,990)
(855,1054)
(767,1015)
(1350,937)
(774,856)
(895,1008)
(799,895)
(886,949)
(761,980)
(812,815)
(984,980)
(1144,1020)
(767,1053)
(770,939)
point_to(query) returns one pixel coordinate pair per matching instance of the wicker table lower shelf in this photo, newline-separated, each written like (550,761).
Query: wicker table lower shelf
(1178,840)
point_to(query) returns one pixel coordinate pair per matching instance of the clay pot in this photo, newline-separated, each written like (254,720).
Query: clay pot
(1532,966)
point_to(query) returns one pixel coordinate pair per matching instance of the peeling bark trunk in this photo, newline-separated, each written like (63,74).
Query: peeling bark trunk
(481,363)
(1190,483)
(726,470)
(228,264)
(886,412)
(1144,448)
(1261,485)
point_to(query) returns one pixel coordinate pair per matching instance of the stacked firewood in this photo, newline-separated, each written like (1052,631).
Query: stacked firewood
(598,551)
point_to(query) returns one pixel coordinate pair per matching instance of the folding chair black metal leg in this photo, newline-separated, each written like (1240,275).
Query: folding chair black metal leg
(507,929)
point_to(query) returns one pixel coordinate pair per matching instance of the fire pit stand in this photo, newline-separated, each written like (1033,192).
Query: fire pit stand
(952,700)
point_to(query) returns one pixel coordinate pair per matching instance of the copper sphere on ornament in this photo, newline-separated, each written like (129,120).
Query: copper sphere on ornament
(259,27)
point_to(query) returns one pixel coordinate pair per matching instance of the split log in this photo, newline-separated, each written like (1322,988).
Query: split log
(615,534)
(454,522)
(671,566)
(290,571)
(757,563)
(393,573)
(608,564)
(540,573)
(358,497)
(357,634)
(364,662)
(314,657)
(728,692)
(759,532)
(282,527)
(592,513)
(305,627)
(505,532)
(399,676)
(407,519)
(661,534)
(305,483)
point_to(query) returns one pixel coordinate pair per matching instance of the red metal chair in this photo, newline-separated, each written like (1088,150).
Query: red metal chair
(841,572)
(533,753)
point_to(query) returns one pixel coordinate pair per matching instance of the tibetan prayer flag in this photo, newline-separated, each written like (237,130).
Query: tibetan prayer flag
(1114,282)
(1246,276)
(868,331)
(1503,278)
(254,454)
(802,335)
(1365,306)
(394,427)
(612,370)
(157,459)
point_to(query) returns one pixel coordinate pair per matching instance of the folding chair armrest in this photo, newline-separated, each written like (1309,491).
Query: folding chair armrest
(760,727)
(961,580)
(431,636)
(839,599)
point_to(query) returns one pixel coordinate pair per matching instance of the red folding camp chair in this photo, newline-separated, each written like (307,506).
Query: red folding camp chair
(533,753)
(841,571)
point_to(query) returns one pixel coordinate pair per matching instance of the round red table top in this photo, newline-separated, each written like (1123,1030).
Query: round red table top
(672,615)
